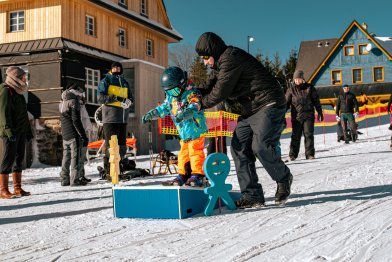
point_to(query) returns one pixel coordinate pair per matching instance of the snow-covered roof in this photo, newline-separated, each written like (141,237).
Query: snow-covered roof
(386,42)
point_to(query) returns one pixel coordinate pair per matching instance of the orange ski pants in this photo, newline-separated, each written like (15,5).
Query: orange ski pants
(193,152)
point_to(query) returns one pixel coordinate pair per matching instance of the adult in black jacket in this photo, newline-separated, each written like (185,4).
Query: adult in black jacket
(251,91)
(302,98)
(389,112)
(345,106)
(74,136)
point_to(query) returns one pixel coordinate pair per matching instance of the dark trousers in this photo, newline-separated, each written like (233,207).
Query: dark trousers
(306,128)
(258,136)
(348,118)
(118,129)
(13,154)
(70,165)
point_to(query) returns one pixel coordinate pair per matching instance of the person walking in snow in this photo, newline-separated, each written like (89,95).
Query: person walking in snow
(303,99)
(251,91)
(74,136)
(346,111)
(115,94)
(183,104)
(15,129)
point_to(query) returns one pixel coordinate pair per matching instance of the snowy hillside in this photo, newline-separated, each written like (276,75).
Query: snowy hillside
(340,210)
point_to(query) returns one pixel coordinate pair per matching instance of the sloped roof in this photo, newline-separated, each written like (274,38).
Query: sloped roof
(312,53)
(385,42)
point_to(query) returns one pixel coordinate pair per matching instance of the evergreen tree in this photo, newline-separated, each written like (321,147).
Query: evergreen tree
(267,64)
(290,65)
(198,71)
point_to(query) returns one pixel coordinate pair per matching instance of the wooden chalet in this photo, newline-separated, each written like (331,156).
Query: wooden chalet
(358,58)
(63,41)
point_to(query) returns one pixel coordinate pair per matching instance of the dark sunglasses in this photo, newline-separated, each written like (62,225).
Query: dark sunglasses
(176,91)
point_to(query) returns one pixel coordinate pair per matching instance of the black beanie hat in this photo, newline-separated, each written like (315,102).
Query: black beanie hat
(116,64)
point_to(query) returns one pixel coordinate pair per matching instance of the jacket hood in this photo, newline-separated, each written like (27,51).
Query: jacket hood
(210,44)
(71,94)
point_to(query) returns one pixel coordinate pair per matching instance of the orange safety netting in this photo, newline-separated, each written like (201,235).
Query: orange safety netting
(222,123)
(131,142)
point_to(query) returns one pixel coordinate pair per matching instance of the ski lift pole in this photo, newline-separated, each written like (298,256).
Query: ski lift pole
(150,151)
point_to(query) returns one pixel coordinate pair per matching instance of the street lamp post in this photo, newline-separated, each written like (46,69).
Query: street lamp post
(250,39)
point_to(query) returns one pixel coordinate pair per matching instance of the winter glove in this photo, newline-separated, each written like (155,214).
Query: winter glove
(150,116)
(110,99)
(356,115)
(126,103)
(12,138)
(337,118)
(320,117)
(183,115)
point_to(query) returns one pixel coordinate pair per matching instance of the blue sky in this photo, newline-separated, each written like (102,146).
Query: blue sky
(277,25)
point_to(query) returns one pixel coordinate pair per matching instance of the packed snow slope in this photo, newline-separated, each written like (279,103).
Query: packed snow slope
(340,209)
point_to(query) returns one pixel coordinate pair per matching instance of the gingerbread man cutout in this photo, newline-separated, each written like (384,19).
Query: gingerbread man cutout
(216,168)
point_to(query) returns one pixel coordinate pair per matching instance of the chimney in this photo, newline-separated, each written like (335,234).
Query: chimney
(365,26)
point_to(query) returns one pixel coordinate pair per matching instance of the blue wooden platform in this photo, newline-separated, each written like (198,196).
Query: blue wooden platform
(160,202)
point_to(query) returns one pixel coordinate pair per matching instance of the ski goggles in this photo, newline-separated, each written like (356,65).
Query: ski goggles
(176,91)
(205,57)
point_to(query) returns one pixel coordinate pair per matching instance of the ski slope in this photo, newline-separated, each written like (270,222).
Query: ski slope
(340,210)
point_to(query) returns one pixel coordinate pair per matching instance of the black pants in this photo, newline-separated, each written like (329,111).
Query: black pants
(13,154)
(258,136)
(305,127)
(118,129)
(213,142)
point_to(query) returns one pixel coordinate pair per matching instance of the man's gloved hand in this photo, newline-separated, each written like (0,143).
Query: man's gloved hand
(110,99)
(126,103)
(356,115)
(183,115)
(320,117)
(153,113)
(12,138)
(337,118)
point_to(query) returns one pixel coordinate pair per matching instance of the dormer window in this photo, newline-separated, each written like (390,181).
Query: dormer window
(362,49)
(349,50)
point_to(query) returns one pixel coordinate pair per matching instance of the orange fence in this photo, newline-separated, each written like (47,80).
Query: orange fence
(222,123)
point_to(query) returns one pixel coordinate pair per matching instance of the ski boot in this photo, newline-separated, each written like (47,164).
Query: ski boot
(195,181)
(179,180)
(283,191)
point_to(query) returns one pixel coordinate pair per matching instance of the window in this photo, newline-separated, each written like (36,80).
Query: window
(149,47)
(378,74)
(92,82)
(129,75)
(143,8)
(122,37)
(17,21)
(90,25)
(123,3)
(357,75)
(349,50)
(336,77)
(362,49)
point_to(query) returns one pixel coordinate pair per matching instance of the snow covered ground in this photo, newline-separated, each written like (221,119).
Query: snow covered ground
(340,210)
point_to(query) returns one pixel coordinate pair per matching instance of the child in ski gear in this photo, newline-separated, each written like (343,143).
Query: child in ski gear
(302,99)
(345,107)
(251,91)
(115,94)
(15,130)
(183,104)
(74,136)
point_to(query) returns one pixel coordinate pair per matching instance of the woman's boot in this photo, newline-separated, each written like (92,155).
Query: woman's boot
(17,180)
(4,192)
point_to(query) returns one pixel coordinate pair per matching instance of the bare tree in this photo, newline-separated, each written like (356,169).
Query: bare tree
(182,55)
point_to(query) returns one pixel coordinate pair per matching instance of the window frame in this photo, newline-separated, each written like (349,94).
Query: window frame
(352,75)
(144,8)
(91,87)
(345,50)
(17,21)
(122,38)
(94,24)
(382,71)
(123,3)
(341,77)
(359,49)
(149,51)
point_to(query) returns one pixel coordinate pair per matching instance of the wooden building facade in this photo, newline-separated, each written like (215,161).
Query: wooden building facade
(64,41)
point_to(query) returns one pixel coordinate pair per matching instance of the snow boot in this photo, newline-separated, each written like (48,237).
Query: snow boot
(4,192)
(283,191)
(179,180)
(248,202)
(195,181)
(17,180)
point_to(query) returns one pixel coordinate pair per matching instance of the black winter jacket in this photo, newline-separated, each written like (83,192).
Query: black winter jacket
(71,120)
(241,80)
(346,103)
(389,104)
(303,99)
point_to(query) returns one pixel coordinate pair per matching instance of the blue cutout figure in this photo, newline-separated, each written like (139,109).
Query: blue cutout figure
(216,168)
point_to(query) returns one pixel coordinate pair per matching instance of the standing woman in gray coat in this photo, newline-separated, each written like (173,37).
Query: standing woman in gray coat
(14,131)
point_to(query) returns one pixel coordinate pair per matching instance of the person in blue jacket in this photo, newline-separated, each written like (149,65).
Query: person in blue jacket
(183,104)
